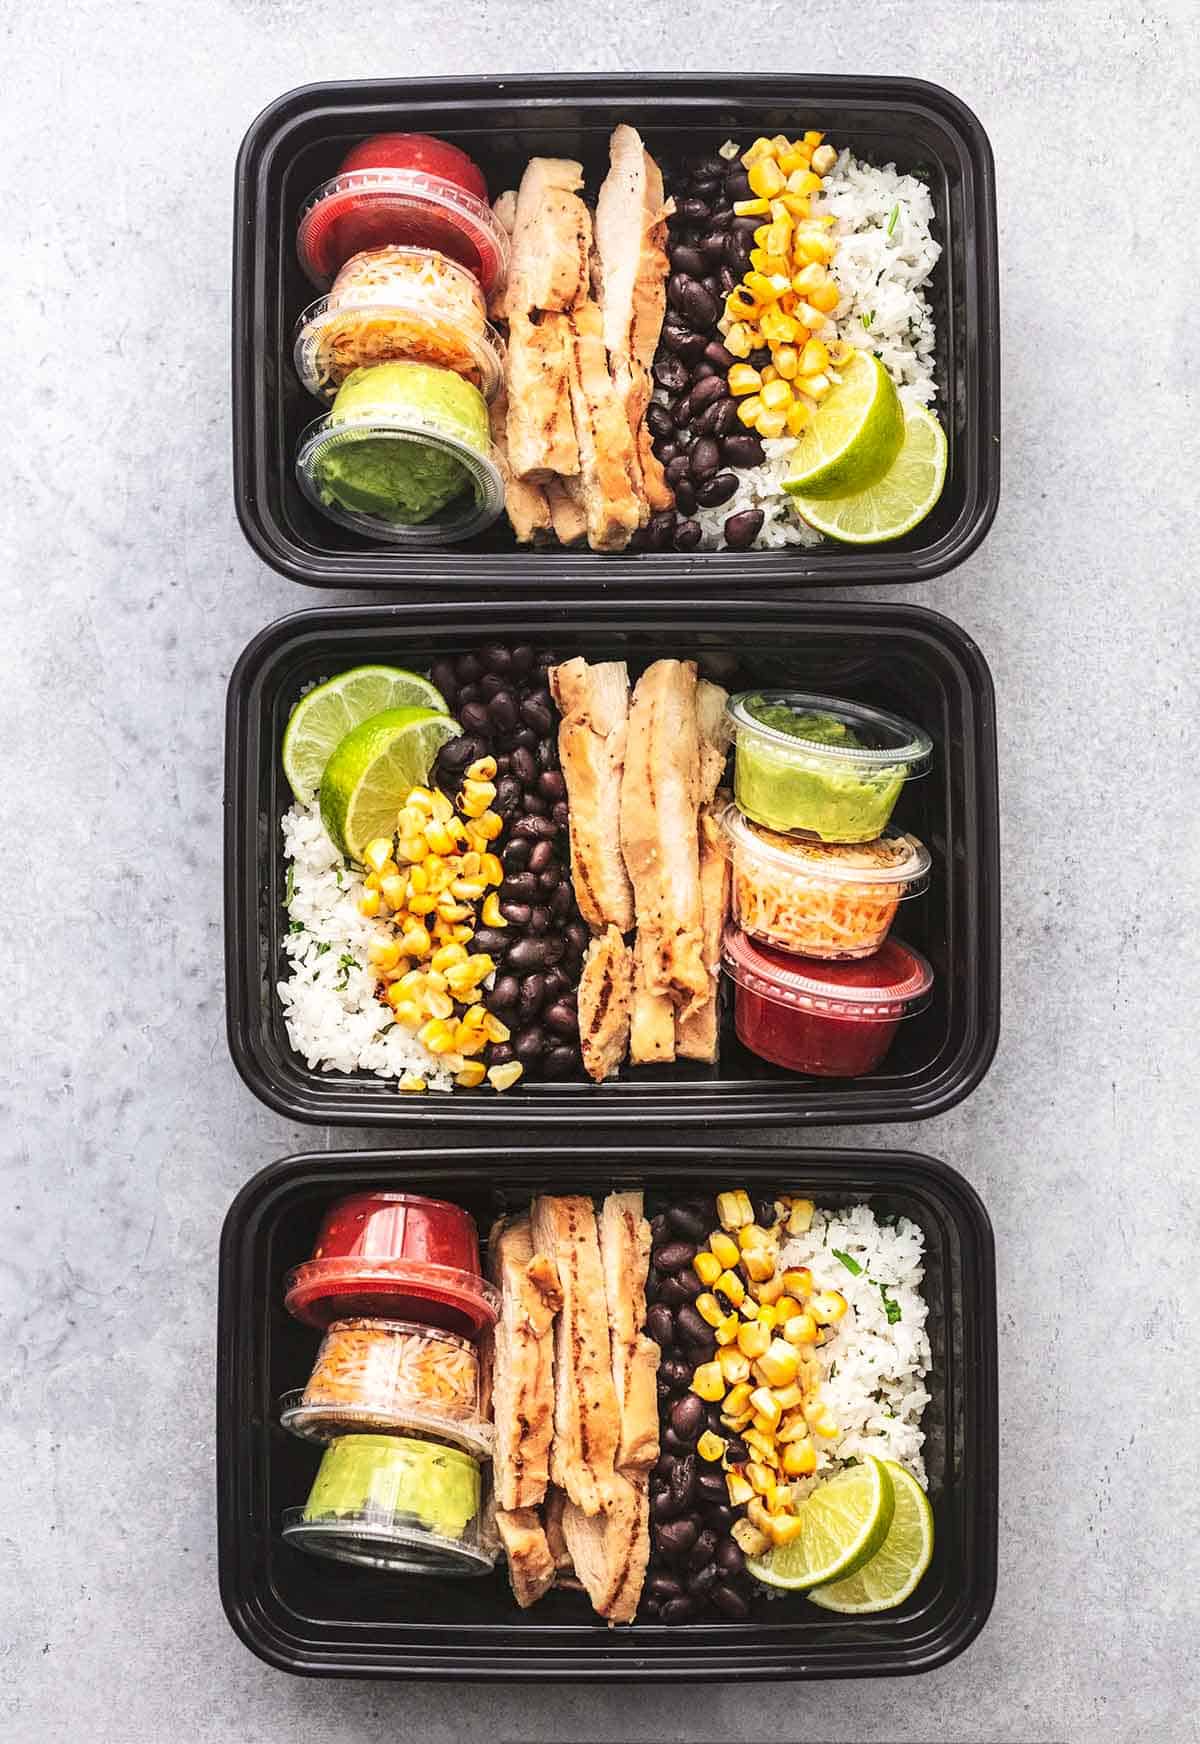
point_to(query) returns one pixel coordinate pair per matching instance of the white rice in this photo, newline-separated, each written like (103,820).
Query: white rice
(333,1017)
(874,1369)
(885,257)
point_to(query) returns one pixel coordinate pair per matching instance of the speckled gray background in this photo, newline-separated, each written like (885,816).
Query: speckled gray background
(130,592)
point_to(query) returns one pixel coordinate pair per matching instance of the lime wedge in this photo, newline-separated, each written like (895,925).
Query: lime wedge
(894,1571)
(322,718)
(855,435)
(372,771)
(845,1522)
(899,502)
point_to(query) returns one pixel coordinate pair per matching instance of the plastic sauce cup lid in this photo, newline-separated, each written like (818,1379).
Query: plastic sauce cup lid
(904,860)
(368,208)
(313,1290)
(324,1423)
(474,509)
(893,983)
(405,299)
(384,1545)
(888,741)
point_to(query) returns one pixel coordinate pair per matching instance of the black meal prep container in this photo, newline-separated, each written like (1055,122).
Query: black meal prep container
(327,1619)
(298,142)
(903,658)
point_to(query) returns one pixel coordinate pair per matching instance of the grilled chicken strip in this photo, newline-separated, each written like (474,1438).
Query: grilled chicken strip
(605,990)
(697,1036)
(587,1425)
(625,1254)
(570,521)
(611,1549)
(552,1518)
(608,465)
(660,791)
(540,428)
(528,507)
(522,1364)
(652,1015)
(710,713)
(594,704)
(631,233)
(551,239)
(531,1565)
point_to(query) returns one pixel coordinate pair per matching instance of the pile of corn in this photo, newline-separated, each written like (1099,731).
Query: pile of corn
(786,298)
(767,1324)
(435,880)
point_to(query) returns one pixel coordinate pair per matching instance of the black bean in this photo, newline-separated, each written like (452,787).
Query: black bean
(518,887)
(711,388)
(560,1062)
(689,261)
(539,857)
(717,355)
(659,1324)
(536,829)
(658,422)
(662,1505)
(724,418)
(671,372)
(502,711)
(704,1580)
(547,753)
(712,248)
(557,983)
(674,1255)
(683,1481)
(670,1290)
(677,469)
(765,1214)
(530,1044)
(663,1586)
(691,1327)
(546,659)
(677,1371)
(711,167)
(737,187)
(659,530)
(727,1599)
(736,1452)
(526,739)
(712,1418)
(689,1283)
(676,1537)
(533,805)
(560,902)
(677,1610)
(539,920)
(710,1486)
(722,1518)
(468,669)
(699,304)
(712,284)
(521,659)
(560,814)
(657,1224)
(703,462)
(687,1417)
(693,211)
(744,226)
(702,372)
(577,935)
(475,717)
(727,278)
(681,411)
(490,939)
(443,675)
(689,1222)
(674,1444)
(508,795)
(741,448)
(516,913)
(531,998)
(504,995)
(760,357)
(454,757)
(526,956)
(687,346)
(551,785)
(491,685)
(563,1020)
(500,1053)
(689,535)
(666,452)
(523,766)
(715,491)
(685,497)
(730,1559)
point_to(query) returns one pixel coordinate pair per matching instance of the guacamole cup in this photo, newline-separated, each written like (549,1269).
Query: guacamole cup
(396,1503)
(404,456)
(815,766)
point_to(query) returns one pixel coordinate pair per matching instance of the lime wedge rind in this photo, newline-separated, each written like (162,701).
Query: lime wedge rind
(893,1574)
(846,1521)
(327,713)
(899,501)
(855,435)
(374,768)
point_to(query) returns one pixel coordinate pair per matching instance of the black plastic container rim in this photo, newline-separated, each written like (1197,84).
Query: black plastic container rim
(686,1108)
(704,573)
(703,1662)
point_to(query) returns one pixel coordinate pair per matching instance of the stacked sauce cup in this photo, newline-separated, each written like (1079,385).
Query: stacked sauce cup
(818,874)
(396,1393)
(407,251)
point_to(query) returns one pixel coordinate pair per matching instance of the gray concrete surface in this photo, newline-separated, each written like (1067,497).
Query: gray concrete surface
(129,593)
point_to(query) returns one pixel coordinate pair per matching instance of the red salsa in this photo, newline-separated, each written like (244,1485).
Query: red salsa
(825,1019)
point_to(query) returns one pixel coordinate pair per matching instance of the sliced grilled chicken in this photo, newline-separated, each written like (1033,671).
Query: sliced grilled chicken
(566,513)
(527,505)
(697,1036)
(608,465)
(610,1550)
(540,426)
(710,713)
(631,234)
(605,991)
(594,704)
(552,1519)
(522,1364)
(587,1426)
(625,1253)
(651,1018)
(531,1566)
(551,239)
(660,791)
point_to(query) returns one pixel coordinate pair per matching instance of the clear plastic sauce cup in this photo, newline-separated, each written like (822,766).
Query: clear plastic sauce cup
(816,766)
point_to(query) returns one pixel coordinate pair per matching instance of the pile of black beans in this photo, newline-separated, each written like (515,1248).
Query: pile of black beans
(501,698)
(695,1568)
(696,432)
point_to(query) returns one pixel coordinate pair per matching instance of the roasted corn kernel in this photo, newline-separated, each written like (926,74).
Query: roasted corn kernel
(724,1248)
(709,1382)
(707,1267)
(710,1447)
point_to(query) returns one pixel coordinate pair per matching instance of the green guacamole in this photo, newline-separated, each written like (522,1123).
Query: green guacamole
(438,1486)
(777,785)
(403,479)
